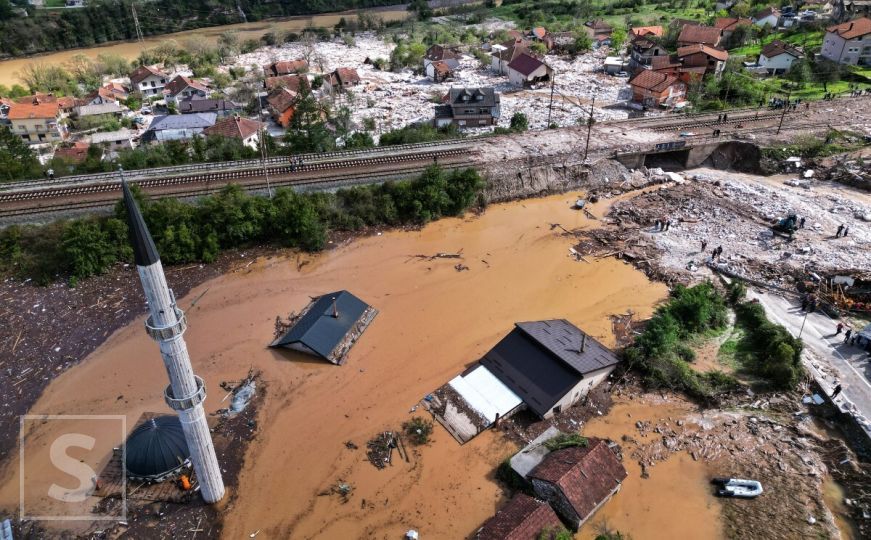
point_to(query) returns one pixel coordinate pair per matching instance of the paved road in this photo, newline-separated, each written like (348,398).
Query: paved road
(851,364)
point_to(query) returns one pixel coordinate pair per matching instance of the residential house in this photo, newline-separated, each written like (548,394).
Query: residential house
(550,365)
(657,89)
(176,127)
(849,42)
(148,80)
(182,88)
(344,77)
(281,102)
(638,32)
(578,480)
(221,107)
(109,93)
(113,140)
(447,58)
(541,35)
(526,69)
(88,116)
(73,153)
(236,127)
(328,327)
(468,107)
(642,52)
(769,16)
(523,518)
(694,34)
(291,82)
(728,25)
(499,59)
(778,56)
(598,28)
(713,60)
(285,67)
(37,121)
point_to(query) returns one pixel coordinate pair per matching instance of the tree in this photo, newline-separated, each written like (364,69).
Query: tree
(307,131)
(421,8)
(618,37)
(17,161)
(538,48)
(826,71)
(519,122)
(43,77)
(741,10)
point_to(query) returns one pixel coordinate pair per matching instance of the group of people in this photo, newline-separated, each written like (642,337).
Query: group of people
(842,231)
(662,224)
(295,162)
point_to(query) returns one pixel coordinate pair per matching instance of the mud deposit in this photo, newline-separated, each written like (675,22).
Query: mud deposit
(433,321)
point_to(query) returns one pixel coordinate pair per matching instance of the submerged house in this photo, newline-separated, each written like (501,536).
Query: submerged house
(523,518)
(328,327)
(578,480)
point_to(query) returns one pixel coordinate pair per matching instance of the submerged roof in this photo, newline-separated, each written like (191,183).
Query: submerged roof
(587,475)
(156,447)
(320,331)
(523,518)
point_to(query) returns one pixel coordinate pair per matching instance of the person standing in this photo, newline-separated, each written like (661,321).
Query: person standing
(704,245)
(840,230)
(846,230)
(801,223)
(836,391)
(839,328)
(847,334)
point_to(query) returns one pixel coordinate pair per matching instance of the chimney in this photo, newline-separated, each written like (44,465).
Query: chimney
(335,309)
(583,342)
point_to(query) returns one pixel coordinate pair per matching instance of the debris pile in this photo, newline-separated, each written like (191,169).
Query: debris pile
(380,449)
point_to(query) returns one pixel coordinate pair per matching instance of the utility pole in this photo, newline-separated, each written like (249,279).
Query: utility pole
(589,128)
(550,107)
(136,23)
(785,106)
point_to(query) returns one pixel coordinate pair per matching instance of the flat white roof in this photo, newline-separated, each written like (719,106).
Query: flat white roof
(485,393)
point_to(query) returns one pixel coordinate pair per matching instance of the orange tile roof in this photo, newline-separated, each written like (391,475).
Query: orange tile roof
(24,111)
(700,34)
(852,29)
(719,54)
(235,127)
(731,23)
(76,153)
(654,81)
(641,31)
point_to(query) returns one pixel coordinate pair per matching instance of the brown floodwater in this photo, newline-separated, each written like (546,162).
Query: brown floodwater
(675,501)
(9,69)
(433,321)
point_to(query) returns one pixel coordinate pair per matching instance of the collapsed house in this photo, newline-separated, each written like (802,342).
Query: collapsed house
(526,69)
(328,326)
(543,366)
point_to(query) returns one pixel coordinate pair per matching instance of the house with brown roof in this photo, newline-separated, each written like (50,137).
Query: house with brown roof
(37,121)
(447,59)
(849,42)
(699,35)
(74,153)
(713,60)
(285,67)
(236,127)
(109,93)
(149,80)
(182,88)
(523,518)
(778,57)
(281,101)
(290,82)
(657,89)
(637,32)
(503,54)
(526,69)
(577,481)
(598,28)
(344,77)
(769,16)
(728,25)
(642,53)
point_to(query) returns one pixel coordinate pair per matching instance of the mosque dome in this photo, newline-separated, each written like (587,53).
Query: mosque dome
(156,448)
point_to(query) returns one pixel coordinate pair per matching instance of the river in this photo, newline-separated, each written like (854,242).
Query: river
(433,321)
(9,69)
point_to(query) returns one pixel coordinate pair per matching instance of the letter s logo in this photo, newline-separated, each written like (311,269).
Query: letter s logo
(72,466)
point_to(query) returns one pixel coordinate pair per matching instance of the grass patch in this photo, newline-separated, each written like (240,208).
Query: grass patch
(566,440)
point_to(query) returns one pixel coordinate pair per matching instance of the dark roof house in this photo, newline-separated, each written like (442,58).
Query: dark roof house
(576,481)
(543,361)
(523,518)
(219,106)
(328,326)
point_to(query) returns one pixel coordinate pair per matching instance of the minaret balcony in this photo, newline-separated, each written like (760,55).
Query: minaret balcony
(166,333)
(189,402)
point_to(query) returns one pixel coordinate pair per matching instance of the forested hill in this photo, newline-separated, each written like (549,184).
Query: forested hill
(46,30)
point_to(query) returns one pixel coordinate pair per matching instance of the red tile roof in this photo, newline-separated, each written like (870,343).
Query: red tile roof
(180,82)
(76,153)
(586,475)
(441,67)
(852,29)
(285,67)
(235,127)
(288,81)
(37,109)
(539,32)
(347,75)
(700,34)
(664,62)
(143,72)
(654,81)
(778,47)
(718,54)
(525,64)
(729,24)
(641,31)
(523,518)
(281,99)
(440,52)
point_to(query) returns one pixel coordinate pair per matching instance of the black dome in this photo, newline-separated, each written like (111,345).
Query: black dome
(156,447)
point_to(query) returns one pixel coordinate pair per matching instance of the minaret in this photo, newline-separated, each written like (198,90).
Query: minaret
(166,325)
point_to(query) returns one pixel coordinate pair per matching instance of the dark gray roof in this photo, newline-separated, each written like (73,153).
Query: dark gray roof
(484,97)
(144,251)
(207,105)
(319,330)
(563,339)
(156,447)
(183,121)
(539,361)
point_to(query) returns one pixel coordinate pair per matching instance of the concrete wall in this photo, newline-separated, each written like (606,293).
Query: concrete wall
(582,389)
(554,495)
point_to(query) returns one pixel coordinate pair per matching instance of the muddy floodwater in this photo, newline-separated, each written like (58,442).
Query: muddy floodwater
(9,69)
(433,321)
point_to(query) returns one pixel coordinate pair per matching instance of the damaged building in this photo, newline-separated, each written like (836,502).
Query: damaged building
(468,107)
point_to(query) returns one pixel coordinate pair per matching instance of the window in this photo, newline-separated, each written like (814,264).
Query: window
(557,409)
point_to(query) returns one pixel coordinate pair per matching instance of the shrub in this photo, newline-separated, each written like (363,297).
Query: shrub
(519,122)
(566,440)
(418,430)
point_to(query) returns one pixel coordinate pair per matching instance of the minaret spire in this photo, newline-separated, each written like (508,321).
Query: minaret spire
(166,325)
